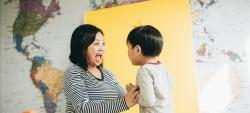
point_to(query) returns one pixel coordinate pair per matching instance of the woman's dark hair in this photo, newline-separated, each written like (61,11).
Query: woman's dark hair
(81,38)
(148,38)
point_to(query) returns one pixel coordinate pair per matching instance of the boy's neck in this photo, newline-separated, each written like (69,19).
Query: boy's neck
(149,60)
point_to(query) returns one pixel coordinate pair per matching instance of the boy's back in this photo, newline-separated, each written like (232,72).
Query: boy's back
(155,89)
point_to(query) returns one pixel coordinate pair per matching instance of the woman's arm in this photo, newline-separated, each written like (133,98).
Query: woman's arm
(76,92)
(132,95)
(118,87)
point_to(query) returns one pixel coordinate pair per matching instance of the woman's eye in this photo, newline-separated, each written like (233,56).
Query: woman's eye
(104,43)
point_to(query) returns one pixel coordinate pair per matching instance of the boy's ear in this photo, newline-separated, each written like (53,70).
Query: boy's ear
(138,49)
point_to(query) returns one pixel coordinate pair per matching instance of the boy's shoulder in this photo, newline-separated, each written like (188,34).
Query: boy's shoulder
(152,69)
(152,66)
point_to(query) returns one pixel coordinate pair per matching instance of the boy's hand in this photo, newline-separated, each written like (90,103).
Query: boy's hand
(130,86)
(132,95)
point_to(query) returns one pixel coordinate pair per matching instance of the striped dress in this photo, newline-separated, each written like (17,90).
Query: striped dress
(88,94)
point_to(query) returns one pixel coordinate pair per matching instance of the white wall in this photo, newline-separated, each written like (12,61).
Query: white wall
(1,54)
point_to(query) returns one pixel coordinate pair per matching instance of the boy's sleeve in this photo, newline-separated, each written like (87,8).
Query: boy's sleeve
(144,81)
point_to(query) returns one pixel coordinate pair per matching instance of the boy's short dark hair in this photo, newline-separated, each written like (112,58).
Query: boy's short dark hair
(148,38)
(82,37)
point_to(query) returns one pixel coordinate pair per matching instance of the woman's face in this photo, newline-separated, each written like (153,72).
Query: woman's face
(96,50)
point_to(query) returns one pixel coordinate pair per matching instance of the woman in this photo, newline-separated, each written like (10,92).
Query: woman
(88,86)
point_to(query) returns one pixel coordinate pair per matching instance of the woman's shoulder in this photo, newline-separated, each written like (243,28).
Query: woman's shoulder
(107,72)
(74,70)
(108,75)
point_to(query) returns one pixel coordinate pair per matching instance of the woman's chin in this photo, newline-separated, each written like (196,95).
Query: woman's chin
(98,63)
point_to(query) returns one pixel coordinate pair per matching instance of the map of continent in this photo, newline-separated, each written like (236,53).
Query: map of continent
(221,55)
(38,49)
(32,15)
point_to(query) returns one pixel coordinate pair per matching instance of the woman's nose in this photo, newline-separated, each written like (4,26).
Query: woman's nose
(102,48)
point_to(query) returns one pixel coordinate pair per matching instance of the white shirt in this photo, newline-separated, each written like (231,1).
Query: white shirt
(155,89)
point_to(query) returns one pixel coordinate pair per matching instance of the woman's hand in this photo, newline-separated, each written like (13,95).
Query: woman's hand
(132,95)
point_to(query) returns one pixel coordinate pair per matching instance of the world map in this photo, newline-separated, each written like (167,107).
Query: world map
(220,39)
(38,49)
(31,17)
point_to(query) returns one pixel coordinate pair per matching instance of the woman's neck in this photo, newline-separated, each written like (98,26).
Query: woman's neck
(95,71)
(92,67)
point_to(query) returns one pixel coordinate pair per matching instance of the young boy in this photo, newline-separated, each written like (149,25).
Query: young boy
(155,85)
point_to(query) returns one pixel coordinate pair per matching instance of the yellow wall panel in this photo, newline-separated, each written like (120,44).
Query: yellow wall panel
(171,17)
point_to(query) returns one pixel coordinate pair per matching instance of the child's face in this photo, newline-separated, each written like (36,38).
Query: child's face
(132,54)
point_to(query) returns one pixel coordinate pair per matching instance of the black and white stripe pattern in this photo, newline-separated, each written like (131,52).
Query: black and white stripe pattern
(86,94)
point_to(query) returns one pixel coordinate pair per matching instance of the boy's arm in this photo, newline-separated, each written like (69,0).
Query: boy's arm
(144,81)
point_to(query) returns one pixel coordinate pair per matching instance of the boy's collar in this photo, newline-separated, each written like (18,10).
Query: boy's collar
(155,63)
